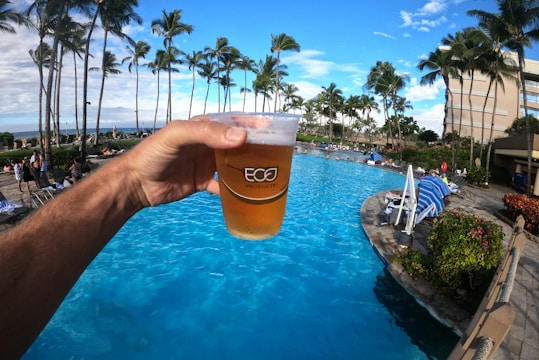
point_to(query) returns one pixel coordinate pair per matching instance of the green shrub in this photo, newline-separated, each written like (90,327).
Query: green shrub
(477,176)
(464,248)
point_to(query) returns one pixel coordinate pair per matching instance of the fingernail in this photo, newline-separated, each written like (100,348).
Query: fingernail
(234,134)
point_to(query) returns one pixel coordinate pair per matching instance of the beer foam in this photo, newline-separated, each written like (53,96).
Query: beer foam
(263,128)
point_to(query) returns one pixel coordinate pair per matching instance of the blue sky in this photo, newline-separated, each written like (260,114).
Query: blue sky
(340,42)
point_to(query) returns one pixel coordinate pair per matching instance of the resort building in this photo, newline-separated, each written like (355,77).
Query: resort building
(509,104)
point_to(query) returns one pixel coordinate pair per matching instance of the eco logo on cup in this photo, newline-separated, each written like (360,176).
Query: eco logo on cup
(254,177)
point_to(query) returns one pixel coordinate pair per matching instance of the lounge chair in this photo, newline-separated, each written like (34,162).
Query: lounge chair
(13,210)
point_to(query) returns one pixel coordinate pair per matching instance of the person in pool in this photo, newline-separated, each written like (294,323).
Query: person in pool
(42,258)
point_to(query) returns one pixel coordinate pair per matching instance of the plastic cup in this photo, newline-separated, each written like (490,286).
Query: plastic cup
(253,179)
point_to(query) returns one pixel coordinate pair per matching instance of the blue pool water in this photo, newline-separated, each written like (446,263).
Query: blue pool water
(173,284)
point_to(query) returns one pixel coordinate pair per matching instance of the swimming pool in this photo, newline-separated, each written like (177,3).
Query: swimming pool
(173,284)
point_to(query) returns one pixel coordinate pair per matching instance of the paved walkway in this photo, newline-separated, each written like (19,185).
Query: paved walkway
(523,339)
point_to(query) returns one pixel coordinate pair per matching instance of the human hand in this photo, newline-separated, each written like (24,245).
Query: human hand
(178,160)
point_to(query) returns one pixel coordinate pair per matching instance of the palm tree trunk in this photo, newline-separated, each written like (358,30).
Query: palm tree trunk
(471,119)
(48,101)
(192,94)
(491,130)
(483,121)
(103,75)
(169,101)
(529,134)
(76,95)
(136,98)
(157,102)
(85,87)
(57,95)
(206,99)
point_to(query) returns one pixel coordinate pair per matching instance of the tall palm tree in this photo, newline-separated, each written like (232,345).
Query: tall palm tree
(290,94)
(110,66)
(332,97)
(457,71)
(94,12)
(78,41)
(517,25)
(279,43)
(221,47)
(385,82)
(44,14)
(440,64)
(208,71)
(7,16)
(170,26)
(137,52)
(229,60)
(157,66)
(246,64)
(194,60)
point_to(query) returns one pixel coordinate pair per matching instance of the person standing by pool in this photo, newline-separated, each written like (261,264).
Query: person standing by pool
(37,272)
(76,170)
(27,176)
(44,170)
(17,169)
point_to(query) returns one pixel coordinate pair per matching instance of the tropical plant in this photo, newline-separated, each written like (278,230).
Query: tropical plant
(170,26)
(441,65)
(207,70)
(246,64)
(137,52)
(464,248)
(279,43)
(516,24)
(109,66)
(8,16)
(157,66)
(332,96)
(193,61)
(221,47)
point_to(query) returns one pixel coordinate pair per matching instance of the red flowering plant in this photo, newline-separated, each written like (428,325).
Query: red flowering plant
(414,263)
(521,204)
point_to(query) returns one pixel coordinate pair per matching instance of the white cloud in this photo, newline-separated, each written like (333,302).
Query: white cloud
(416,92)
(384,35)
(430,117)
(422,20)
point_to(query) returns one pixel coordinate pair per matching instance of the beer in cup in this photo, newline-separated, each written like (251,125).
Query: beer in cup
(253,179)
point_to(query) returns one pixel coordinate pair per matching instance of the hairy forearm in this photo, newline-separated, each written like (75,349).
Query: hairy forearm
(43,257)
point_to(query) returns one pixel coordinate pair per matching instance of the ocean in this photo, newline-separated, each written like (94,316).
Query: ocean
(35,134)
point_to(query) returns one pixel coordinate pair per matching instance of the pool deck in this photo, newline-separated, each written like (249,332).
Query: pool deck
(522,342)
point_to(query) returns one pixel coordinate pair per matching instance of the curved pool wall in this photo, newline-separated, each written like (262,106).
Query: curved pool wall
(173,284)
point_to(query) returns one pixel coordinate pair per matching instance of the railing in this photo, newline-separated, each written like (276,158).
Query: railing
(494,316)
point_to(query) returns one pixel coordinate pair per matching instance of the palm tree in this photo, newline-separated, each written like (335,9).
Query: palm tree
(245,64)
(332,97)
(207,70)
(8,15)
(229,60)
(77,41)
(44,17)
(221,47)
(290,94)
(441,65)
(457,71)
(110,66)
(281,42)
(517,26)
(85,101)
(193,61)
(384,81)
(170,26)
(157,65)
(139,51)
(470,53)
